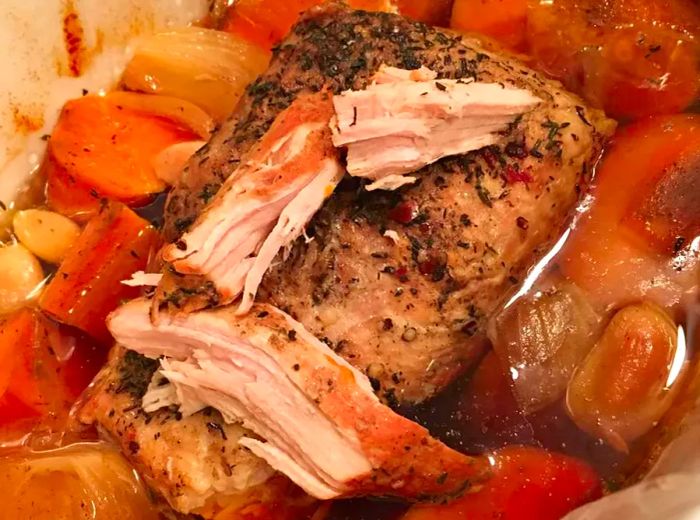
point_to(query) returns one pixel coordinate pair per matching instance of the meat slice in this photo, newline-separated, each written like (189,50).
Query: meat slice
(403,123)
(321,423)
(194,462)
(408,309)
(264,205)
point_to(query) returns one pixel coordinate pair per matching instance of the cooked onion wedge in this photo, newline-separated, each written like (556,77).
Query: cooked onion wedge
(83,481)
(179,110)
(209,68)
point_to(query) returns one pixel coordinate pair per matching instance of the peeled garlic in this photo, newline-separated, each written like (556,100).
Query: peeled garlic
(47,234)
(20,277)
(629,379)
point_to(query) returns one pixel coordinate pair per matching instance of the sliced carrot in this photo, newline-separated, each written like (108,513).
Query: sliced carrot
(267,22)
(28,366)
(19,338)
(433,12)
(68,196)
(633,58)
(645,207)
(632,78)
(87,286)
(528,484)
(101,149)
(503,20)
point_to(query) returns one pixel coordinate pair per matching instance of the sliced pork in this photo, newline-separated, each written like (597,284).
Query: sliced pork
(317,418)
(195,463)
(403,122)
(264,205)
(408,309)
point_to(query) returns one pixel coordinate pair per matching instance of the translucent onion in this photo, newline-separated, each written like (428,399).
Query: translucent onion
(540,340)
(179,110)
(629,379)
(207,67)
(83,481)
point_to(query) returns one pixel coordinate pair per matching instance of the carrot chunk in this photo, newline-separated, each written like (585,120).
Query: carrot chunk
(504,20)
(67,195)
(528,484)
(87,286)
(646,210)
(101,149)
(19,342)
(267,22)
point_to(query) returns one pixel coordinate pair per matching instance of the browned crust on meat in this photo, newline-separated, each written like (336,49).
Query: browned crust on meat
(477,228)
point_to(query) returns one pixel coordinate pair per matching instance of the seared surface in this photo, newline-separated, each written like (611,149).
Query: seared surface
(410,314)
(186,460)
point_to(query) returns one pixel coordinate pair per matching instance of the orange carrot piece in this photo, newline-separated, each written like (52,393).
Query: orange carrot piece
(26,357)
(68,196)
(433,12)
(87,286)
(503,20)
(632,221)
(267,22)
(528,484)
(108,150)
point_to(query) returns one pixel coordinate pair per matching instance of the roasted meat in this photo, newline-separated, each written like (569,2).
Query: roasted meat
(189,461)
(401,283)
(318,419)
(265,204)
(405,120)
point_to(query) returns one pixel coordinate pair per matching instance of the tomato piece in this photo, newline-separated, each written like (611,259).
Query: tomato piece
(630,222)
(114,244)
(504,20)
(527,484)
(103,149)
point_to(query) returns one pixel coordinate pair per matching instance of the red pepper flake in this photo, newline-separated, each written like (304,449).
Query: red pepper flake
(404,213)
(489,157)
(514,174)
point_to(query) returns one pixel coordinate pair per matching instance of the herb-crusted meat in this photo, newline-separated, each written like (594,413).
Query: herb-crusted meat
(190,462)
(401,283)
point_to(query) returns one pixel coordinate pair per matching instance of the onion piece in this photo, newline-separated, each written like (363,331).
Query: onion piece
(170,163)
(207,67)
(89,480)
(541,339)
(179,110)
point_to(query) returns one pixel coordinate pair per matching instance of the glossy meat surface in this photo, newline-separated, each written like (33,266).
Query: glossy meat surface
(401,284)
